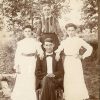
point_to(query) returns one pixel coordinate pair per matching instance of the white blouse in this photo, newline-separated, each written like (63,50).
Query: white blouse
(72,45)
(27,46)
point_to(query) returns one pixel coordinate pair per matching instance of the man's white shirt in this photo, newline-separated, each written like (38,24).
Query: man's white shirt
(49,63)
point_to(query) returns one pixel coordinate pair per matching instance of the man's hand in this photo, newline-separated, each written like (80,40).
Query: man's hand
(50,75)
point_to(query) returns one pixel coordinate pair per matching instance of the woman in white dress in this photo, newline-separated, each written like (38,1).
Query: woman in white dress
(25,63)
(74,84)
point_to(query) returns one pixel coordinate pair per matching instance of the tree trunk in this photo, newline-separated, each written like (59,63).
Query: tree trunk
(98,52)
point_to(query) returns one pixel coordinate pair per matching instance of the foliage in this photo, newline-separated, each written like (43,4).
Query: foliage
(90,13)
(7,51)
(23,11)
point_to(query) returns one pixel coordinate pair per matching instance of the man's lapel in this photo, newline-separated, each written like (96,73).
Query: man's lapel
(53,62)
(45,63)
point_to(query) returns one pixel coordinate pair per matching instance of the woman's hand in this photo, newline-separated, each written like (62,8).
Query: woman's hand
(14,75)
(17,69)
(41,56)
(57,57)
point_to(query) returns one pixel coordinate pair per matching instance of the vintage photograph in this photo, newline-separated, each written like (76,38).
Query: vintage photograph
(49,49)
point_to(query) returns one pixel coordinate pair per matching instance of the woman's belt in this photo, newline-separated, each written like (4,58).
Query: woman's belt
(30,54)
(73,55)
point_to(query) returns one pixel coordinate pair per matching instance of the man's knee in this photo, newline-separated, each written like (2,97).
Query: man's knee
(47,82)
(46,78)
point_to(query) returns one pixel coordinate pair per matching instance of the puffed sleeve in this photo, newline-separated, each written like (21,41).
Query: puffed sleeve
(60,47)
(88,48)
(39,48)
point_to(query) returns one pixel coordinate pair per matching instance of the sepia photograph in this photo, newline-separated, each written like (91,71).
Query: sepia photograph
(49,49)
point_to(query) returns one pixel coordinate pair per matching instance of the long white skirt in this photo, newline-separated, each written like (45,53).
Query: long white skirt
(24,88)
(74,84)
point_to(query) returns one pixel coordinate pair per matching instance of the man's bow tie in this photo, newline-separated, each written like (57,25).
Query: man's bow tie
(49,55)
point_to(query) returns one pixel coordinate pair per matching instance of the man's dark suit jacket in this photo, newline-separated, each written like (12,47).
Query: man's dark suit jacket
(41,71)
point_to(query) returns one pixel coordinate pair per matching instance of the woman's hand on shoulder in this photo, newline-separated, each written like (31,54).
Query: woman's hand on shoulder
(57,57)
(41,56)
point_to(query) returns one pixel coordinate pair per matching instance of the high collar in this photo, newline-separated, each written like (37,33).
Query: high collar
(48,53)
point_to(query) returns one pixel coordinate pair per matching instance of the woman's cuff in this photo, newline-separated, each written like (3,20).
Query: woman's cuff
(83,56)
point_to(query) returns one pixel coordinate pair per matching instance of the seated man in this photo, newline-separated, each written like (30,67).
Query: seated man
(49,72)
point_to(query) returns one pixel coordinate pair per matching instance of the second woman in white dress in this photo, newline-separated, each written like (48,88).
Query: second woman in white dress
(25,63)
(74,84)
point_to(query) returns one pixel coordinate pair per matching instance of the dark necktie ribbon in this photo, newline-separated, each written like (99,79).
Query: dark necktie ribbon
(49,55)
